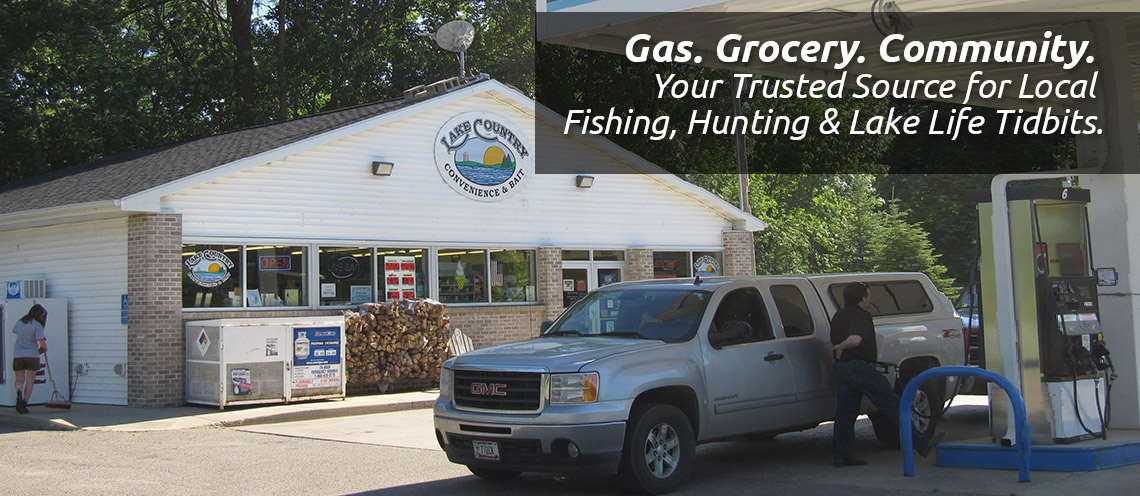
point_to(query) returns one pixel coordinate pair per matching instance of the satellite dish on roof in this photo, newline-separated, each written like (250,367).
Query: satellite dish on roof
(455,36)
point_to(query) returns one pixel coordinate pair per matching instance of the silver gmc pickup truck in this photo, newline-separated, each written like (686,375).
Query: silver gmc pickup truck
(632,377)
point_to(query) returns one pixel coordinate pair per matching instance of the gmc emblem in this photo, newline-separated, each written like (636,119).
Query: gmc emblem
(484,389)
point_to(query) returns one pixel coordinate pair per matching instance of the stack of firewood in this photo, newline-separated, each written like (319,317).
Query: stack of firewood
(393,342)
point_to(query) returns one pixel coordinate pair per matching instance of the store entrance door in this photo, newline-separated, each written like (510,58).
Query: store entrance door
(579,278)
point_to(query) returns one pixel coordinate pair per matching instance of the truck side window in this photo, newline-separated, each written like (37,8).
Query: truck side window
(793,310)
(890,297)
(741,318)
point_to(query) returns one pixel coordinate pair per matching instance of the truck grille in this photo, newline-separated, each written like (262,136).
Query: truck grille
(514,391)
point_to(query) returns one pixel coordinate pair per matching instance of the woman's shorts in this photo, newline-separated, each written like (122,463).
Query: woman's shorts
(26,363)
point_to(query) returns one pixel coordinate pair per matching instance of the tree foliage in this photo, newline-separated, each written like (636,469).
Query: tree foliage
(900,246)
(88,79)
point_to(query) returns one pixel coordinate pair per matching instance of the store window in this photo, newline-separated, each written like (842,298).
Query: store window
(276,276)
(513,276)
(211,276)
(576,255)
(707,263)
(671,264)
(595,255)
(462,276)
(345,275)
(403,274)
(609,255)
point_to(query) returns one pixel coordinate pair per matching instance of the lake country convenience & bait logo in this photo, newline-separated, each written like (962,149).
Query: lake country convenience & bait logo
(482,156)
(209,268)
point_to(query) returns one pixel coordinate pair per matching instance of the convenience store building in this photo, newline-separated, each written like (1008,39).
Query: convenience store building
(434,195)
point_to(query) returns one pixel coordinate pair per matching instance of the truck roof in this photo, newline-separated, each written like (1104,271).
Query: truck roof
(711,283)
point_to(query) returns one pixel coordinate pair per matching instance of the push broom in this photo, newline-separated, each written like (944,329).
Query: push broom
(56,400)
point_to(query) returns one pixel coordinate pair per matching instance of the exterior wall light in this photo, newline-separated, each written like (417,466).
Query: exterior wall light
(382,168)
(584,181)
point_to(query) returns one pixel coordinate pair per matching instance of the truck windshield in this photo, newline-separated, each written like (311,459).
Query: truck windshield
(637,313)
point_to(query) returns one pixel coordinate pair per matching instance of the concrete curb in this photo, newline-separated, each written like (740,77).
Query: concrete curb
(36,423)
(124,419)
(326,413)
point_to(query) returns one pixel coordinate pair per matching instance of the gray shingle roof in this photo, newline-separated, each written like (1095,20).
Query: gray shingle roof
(124,174)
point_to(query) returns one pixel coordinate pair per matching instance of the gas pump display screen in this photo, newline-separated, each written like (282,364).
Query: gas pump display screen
(1072,259)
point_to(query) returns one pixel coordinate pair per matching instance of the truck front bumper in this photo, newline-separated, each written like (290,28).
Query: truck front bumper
(527,447)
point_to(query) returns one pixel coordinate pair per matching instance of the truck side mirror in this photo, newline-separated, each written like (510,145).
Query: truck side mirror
(545,325)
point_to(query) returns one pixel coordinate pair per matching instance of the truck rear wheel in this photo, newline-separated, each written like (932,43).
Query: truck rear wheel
(660,449)
(492,474)
(925,410)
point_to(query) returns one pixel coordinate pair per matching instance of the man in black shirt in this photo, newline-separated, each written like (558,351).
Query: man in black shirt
(855,351)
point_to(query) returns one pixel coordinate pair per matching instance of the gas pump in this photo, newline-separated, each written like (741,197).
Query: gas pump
(1060,351)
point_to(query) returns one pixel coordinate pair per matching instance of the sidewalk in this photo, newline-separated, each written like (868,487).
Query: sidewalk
(121,418)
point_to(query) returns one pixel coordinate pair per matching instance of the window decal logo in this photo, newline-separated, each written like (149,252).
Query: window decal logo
(209,268)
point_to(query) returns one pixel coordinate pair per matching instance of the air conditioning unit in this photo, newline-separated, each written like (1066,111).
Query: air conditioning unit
(28,288)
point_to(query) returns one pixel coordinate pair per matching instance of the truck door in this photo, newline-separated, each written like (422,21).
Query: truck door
(802,323)
(748,373)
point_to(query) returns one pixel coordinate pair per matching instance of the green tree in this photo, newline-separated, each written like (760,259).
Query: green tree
(817,222)
(941,204)
(900,246)
(85,80)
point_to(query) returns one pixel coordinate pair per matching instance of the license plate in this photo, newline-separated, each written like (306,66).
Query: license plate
(486,450)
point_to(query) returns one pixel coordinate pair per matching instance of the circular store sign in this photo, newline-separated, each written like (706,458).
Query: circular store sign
(209,268)
(706,266)
(483,156)
(344,267)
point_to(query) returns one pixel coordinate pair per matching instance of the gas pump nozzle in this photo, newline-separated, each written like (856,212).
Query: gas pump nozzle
(1101,358)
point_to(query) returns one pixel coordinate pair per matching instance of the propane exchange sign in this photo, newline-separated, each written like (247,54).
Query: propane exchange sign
(482,156)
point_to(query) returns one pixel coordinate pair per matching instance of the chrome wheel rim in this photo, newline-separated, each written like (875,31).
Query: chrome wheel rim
(920,411)
(662,450)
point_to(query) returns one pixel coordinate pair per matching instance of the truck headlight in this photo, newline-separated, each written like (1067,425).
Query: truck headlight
(446,378)
(574,388)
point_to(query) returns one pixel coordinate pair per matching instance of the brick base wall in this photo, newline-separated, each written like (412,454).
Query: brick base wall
(155,361)
(739,253)
(639,264)
(550,282)
(489,326)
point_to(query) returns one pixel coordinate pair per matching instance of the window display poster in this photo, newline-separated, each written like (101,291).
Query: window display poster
(316,357)
(360,294)
(400,277)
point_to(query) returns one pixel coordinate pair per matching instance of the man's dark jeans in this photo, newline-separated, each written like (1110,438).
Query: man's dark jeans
(853,380)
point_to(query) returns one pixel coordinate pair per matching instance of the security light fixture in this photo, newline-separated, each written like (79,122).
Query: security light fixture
(382,168)
(584,181)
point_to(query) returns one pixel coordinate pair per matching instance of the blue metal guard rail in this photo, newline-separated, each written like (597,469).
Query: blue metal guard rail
(905,423)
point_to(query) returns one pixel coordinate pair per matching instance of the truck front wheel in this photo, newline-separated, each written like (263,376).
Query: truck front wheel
(492,474)
(660,449)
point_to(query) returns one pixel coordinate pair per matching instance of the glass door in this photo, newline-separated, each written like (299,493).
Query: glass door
(575,284)
(608,275)
(579,278)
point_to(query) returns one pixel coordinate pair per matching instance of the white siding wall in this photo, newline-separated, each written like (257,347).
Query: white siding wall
(329,193)
(87,264)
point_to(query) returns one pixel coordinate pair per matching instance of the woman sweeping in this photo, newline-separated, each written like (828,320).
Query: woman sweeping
(30,343)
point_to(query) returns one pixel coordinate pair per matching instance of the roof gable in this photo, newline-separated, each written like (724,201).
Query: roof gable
(137,181)
(125,174)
